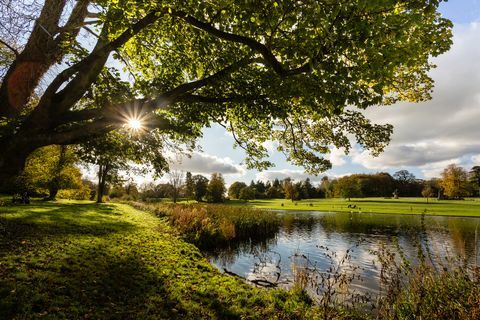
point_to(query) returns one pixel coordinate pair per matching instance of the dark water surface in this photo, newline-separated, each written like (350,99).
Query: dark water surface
(321,240)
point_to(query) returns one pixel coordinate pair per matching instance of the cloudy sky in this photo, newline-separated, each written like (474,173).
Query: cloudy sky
(427,137)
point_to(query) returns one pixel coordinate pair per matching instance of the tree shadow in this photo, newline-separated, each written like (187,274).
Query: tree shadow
(37,222)
(105,282)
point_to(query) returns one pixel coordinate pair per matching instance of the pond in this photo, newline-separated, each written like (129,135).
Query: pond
(349,243)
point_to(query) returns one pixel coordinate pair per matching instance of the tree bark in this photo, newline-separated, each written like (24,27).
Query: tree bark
(102,181)
(42,50)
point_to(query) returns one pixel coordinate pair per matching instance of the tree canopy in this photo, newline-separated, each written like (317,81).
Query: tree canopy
(298,72)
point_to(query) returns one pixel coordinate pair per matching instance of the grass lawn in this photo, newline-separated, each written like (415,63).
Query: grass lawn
(468,207)
(80,260)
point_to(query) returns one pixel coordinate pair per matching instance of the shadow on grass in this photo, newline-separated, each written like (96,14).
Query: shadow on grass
(48,219)
(87,283)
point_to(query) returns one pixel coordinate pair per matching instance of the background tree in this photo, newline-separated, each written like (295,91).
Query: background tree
(52,168)
(247,193)
(428,191)
(454,181)
(406,184)
(200,187)
(474,178)
(235,188)
(266,70)
(276,190)
(189,185)
(307,190)
(326,187)
(175,178)
(216,188)
(260,190)
(347,187)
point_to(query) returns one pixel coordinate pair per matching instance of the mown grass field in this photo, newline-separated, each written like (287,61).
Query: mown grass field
(468,207)
(80,260)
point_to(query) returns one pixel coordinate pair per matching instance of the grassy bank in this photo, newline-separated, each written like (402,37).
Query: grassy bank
(469,207)
(72,260)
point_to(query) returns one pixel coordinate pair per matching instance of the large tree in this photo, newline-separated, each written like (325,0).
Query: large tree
(282,70)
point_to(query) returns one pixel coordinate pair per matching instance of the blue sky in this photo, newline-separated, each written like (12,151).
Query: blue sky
(427,136)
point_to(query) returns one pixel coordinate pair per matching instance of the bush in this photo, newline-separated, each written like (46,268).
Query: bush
(75,194)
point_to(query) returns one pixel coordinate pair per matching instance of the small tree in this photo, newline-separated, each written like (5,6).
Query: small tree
(235,188)
(428,191)
(216,188)
(176,181)
(200,185)
(189,185)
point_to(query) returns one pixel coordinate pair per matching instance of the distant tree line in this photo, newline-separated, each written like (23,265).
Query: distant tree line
(53,172)
(455,183)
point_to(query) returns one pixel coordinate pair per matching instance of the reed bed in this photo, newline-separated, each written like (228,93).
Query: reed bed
(214,225)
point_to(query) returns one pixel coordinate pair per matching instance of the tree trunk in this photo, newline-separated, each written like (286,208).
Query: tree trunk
(102,181)
(12,161)
(52,193)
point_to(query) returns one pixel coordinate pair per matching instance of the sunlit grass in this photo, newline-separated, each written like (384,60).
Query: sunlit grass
(468,207)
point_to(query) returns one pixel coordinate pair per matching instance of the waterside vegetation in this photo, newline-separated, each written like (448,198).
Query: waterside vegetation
(209,225)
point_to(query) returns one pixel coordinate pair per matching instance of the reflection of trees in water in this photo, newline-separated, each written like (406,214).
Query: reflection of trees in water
(267,267)
(465,240)
(436,240)
(255,245)
(292,224)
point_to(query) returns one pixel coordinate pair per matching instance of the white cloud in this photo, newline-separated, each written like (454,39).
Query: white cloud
(444,129)
(206,164)
(336,157)
(476,160)
(271,146)
(419,154)
(433,170)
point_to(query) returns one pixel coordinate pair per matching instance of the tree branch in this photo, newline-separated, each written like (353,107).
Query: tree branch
(88,69)
(192,98)
(259,47)
(15,52)
(175,94)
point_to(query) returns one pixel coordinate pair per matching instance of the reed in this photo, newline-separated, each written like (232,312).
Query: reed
(213,225)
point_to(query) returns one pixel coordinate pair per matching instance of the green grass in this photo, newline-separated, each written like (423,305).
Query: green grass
(79,260)
(468,207)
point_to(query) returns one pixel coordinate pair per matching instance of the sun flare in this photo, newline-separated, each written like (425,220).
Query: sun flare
(134,124)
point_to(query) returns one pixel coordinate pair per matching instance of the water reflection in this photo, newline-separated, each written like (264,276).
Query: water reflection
(310,238)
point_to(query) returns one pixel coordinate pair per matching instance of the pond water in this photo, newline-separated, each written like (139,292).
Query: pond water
(346,242)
